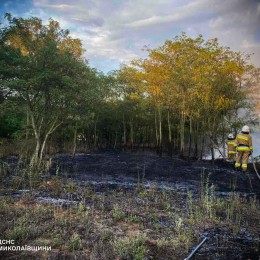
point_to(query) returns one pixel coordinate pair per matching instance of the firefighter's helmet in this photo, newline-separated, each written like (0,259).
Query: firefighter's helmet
(245,128)
(231,136)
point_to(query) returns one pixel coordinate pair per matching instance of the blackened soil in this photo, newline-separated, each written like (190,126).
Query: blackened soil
(126,169)
(114,170)
(225,245)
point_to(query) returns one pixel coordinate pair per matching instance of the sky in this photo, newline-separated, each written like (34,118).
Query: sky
(115,31)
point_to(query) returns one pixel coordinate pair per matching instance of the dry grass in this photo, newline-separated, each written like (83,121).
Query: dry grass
(122,224)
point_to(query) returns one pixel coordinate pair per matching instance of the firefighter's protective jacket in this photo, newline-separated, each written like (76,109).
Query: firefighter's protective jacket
(231,145)
(244,142)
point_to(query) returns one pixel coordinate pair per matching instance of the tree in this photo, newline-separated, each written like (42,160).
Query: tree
(192,84)
(41,67)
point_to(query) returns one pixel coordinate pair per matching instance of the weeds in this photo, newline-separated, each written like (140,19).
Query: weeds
(131,248)
(83,212)
(132,218)
(3,169)
(56,241)
(114,224)
(54,185)
(117,213)
(106,235)
(75,242)
(19,233)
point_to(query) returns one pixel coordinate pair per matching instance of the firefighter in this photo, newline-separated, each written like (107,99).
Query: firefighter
(244,148)
(231,146)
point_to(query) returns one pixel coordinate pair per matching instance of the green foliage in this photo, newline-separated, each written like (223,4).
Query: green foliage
(24,229)
(56,241)
(19,233)
(70,187)
(196,82)
(75,242)
(106,235)
(185,88)
(83,212)
(132,218)
(131,248)
(42,69)
(117,213)
(11,124)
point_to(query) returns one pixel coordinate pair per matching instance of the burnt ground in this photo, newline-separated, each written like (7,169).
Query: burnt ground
(117,170)
(149,192)
(126,169)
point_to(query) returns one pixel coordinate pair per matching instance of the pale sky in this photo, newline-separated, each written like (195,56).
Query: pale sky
(115,31)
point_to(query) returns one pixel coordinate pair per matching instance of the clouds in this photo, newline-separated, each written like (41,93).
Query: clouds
(174,14)
(90,21)
(84,12)
(236,24)
(115,31)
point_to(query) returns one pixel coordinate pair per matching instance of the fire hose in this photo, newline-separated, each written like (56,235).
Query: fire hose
(194,251)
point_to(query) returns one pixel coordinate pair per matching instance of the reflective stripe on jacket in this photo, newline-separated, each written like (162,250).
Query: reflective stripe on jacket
(244,142)
(243,149)
(231,145)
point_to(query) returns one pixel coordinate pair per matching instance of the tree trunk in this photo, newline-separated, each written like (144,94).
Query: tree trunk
(95,134)
(27,133)
(41,137)
(202,147)
(190,137)
(115,143)
(212,154)
(156,128)
(212,149)
(223,137)
(74,143)
(131,133)
(182,133)
(43,145)
(169,134)
(35,156)
(160,132)
(124,136)
(196,141)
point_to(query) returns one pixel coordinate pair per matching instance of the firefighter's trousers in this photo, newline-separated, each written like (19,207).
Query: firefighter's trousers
(242,159)
(231,156)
